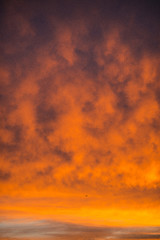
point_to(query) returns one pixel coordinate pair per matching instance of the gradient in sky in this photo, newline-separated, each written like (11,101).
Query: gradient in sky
(79,119)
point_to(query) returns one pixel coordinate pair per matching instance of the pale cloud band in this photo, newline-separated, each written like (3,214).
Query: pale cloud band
(25,229)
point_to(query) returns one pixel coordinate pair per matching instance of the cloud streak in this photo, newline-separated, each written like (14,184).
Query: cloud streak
(26,229)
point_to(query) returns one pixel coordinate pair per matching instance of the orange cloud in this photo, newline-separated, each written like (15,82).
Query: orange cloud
(79,118)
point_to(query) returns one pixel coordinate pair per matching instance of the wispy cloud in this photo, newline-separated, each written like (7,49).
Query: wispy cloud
(44,229)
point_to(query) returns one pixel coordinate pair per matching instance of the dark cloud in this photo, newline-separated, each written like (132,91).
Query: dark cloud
(65,156)
(45,172)
(88,107)
(45,114)
(4,176)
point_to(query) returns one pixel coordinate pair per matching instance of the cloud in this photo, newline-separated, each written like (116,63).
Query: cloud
(80,110)
(4,175)
(26,229)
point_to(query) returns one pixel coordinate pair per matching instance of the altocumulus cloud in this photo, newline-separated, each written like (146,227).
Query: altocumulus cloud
(80,107)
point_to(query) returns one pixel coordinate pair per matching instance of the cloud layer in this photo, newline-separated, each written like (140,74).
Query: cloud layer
(58,230)
(80,111)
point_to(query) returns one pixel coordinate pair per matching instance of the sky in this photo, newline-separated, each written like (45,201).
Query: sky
(79,119)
